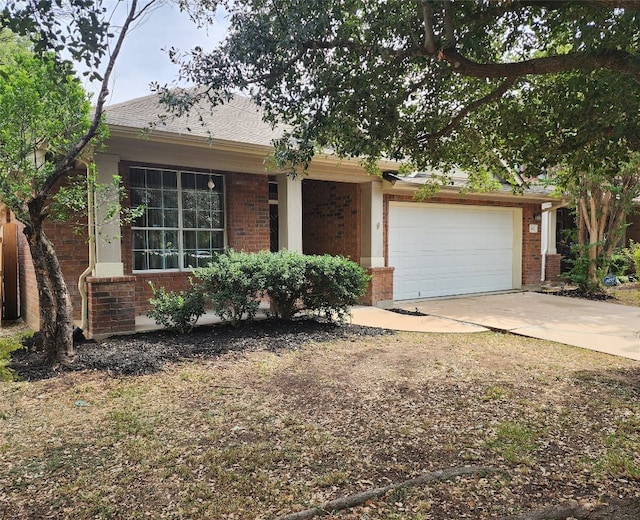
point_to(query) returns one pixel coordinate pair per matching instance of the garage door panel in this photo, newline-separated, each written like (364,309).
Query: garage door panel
(445,250)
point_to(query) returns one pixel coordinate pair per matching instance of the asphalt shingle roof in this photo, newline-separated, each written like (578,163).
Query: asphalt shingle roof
(239,120)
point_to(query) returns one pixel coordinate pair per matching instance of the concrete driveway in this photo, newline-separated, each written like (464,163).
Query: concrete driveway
(605,327)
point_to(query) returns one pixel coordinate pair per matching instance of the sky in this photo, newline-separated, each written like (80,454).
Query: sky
(142,59)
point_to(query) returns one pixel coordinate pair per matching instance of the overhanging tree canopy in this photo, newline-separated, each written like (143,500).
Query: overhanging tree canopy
(395,78)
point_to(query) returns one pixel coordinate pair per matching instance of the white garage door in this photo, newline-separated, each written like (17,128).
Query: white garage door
(444,250)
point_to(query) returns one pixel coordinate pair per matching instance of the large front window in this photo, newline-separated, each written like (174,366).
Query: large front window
(183,222)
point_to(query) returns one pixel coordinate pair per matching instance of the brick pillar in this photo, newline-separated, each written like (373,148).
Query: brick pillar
(112,306)
(380,287)
(552,268)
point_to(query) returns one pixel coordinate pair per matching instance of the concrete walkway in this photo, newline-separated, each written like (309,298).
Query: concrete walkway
(604,327)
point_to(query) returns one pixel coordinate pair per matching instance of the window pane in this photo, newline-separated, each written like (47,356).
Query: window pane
(188,219)
(154,217)
(154,199)
(141,221)
(136,196)
(171,240)
(172,260)
(170,199)
(154,179)
(188,181)
(217,220)
(189,240)
(169,179)
(204,240)
(204,220)
(155,239)
(171,218)
(155,260)
(188,199)
(217,240)
(139,239)
(139,261)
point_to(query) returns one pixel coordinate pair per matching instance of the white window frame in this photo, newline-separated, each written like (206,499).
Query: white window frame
(219,181)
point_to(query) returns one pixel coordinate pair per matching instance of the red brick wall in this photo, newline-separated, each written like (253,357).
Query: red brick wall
(531,245)
(531,242)
(72,250)
(247,212)
(552,268)
(111,305)
(380,287)
(331,218)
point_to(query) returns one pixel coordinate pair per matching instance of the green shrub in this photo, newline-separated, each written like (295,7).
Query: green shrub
(7,346)
(285,281)
(176,311)
(234,282)
(620,264)
(636,261)
(335,284)
(623,260)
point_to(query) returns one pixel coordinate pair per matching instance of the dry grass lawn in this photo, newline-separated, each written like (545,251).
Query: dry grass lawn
(257,435)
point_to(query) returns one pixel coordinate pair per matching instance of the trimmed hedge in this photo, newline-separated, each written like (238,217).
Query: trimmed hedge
(235,282)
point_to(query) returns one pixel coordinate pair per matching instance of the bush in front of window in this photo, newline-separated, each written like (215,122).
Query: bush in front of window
(176,311)
(234,283)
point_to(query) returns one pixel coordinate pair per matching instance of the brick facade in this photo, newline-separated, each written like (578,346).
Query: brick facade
(331,218)
(331,224)
(380,287)
(553,268)
(111,305)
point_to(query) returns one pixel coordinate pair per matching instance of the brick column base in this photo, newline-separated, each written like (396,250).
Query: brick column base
(112,306)
(380,287)
(552,268)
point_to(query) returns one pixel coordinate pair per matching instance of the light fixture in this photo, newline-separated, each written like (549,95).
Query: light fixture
(211,184)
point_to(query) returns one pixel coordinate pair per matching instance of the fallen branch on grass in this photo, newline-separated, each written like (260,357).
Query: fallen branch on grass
(559,512)
(360,498)
(626,509)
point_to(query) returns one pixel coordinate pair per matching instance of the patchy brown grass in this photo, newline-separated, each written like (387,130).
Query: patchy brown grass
(258,434)
(627,294)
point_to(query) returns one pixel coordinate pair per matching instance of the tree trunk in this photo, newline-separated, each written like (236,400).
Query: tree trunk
(55,302)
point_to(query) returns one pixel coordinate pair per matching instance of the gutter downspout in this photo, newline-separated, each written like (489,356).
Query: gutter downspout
(92,245)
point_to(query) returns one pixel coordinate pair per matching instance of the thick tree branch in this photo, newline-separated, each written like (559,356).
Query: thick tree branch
(620,61)
(449,27)
(429,36)
(492,96)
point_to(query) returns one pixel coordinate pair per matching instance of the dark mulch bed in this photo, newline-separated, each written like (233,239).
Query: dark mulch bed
(577,293)
(148,352)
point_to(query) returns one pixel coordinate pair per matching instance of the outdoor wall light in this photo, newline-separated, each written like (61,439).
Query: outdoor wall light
(537,216)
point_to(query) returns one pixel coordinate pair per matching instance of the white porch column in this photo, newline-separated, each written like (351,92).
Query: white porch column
(372,237)
(290,213)
(108,249)
(548,224)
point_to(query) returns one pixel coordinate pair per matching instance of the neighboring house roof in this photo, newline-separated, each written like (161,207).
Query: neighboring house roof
(238,120)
